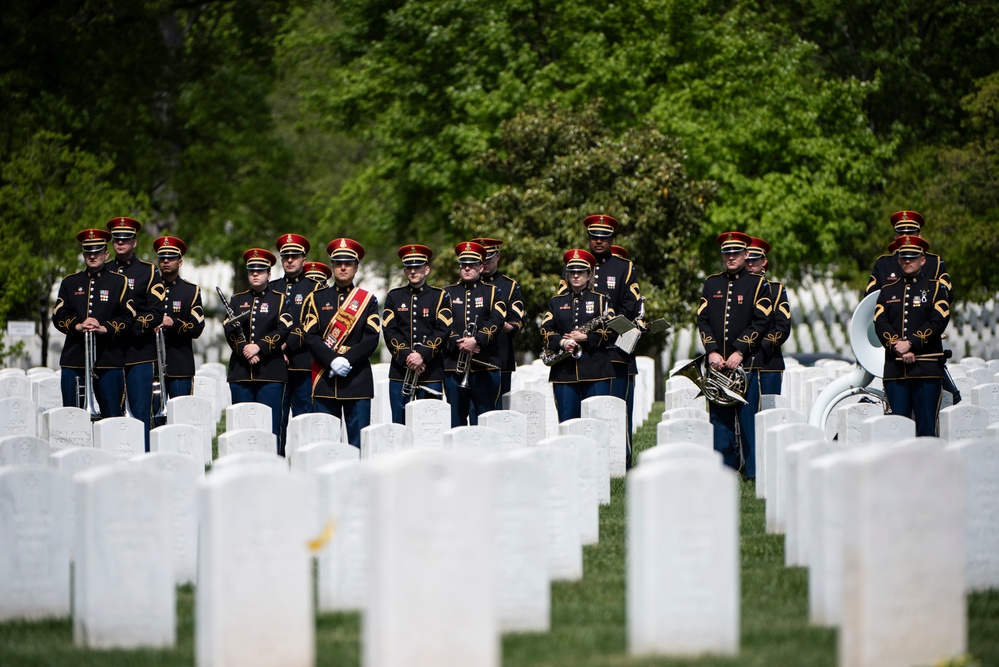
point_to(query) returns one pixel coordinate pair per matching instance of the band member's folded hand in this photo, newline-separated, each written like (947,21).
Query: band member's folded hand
(340,366)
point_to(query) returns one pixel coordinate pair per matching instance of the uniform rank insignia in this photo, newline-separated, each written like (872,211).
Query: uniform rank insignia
(590,308)
(105,294)
(611,282)
(479,302)
(264,308)
(176,306)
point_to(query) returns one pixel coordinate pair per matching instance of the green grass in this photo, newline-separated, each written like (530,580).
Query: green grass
(588,616)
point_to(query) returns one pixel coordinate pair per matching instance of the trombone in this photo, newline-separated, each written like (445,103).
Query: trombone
(465,358)
(159,382)
(85,394)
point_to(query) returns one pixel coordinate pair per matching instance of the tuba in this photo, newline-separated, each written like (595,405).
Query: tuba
(870,364)
(727,386)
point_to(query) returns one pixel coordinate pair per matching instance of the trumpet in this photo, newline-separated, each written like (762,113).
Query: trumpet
(465,358)
(85,393)
(412,379)
(159,382)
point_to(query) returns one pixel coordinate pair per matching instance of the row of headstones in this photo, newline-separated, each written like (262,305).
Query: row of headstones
(893,529)
(442,550)
(42,386)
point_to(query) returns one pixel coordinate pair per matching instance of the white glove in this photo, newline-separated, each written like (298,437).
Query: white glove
(340,366)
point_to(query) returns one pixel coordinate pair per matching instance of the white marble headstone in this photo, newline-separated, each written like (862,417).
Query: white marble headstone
(186,439)
(254,604)
(599,432)
(695,431)
(247,440)
(980,460)
(122,436)
(35,506)
(964,421)
(380,440)
(476,441)
(611,410)
(778,439)
(310,458)
(18,416)
(248,415)
(67,427)
(510,424)
(123,583)
(850,417)
(986,395)
(344,562)
(309,428)
(22,451)
(585,450)
(886,429)
(428,419)
(679,450)
(763,421)
(432,546)
(683,559)
(534,406)
(194,411)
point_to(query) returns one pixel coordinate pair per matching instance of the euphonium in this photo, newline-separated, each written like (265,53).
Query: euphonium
(722,387)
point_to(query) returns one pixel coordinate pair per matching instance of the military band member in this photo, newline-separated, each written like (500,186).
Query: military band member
(586,370)
(184,320)
(886,267)
(258,372)
(146,291)
(770,358)
(478,314)
(732,319)
(619,251)
(509,292)
(295,287)
(94,299)
(615,277)
(416,323)
(910,319)
(319,272)
(342,327)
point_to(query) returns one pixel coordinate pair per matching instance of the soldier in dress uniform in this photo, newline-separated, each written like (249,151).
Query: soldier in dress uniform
(319,272)
(295,287)
(910,319)
(619,251)
(886,267)
(149,299)
(585,369)
(184,320)
(94,299)
(416,323)
(615,277)
(478,315)
(770,359)
(342,327)
(509,292)
(732,319)
(258,372)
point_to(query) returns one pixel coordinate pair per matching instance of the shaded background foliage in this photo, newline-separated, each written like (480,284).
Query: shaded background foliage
(805,121)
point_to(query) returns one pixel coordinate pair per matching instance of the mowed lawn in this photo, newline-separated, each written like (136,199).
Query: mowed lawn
(588,617)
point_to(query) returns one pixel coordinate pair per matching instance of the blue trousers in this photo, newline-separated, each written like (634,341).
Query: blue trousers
(108,390)
(398,402)
(918,399)
(771,381)
(723,421)
(506,378)
(139,387)
(569,396)
(270,394)
(179,387)
(481,396)
(355,415)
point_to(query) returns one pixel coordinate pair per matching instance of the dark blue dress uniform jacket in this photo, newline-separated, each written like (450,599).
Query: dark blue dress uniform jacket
(183,305)
(886,270)
(268,326)
(917,310)
(509,293)
(479,303)
(319,310)
(295,291)
(734,314)
(568,311)
(769,356)
(417,318)
(145,289)
(103,296)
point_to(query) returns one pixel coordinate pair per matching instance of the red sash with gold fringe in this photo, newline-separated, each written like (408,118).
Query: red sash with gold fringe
(340,326)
